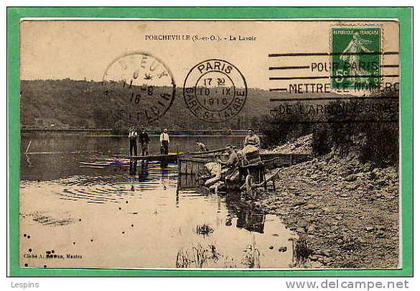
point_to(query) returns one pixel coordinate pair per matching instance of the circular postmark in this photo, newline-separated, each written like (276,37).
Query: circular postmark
(140,88)
(215,90)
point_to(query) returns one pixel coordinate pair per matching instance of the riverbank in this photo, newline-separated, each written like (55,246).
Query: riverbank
(347,212)
(123,133)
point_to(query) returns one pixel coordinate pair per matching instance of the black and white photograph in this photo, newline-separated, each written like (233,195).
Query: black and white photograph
(199,144)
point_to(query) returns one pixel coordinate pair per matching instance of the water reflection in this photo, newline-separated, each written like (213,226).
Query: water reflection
(157,218)
(133,167)
(249,216)
(164,177)
(250,220)
(143,171)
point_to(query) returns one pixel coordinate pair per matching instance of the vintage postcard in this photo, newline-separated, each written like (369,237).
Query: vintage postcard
(210,144)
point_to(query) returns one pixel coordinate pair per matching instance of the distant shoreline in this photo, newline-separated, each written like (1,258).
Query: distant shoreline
(108,132)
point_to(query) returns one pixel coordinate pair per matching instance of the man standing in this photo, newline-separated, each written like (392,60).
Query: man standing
(132,135)
(144,141)
(252,139)
(164,142)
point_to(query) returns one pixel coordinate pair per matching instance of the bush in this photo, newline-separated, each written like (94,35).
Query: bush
(367,126)
(280,127)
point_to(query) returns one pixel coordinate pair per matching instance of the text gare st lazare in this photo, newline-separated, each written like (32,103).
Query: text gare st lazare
(198,37)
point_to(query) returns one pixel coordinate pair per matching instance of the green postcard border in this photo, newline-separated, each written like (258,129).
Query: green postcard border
(402,14)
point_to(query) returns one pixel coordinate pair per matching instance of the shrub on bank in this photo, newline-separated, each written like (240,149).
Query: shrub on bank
(367,126)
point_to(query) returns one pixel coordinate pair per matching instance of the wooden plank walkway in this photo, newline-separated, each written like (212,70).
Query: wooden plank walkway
(194,165)
(290,158)
(168,157)
(175,156)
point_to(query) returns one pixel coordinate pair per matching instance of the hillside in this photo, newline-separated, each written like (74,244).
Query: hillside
(84,104)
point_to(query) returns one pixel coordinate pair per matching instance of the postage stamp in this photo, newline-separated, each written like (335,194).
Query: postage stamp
(140,86)
(215,90)
(356,58)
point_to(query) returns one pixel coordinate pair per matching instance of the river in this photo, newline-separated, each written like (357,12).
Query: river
(73,216)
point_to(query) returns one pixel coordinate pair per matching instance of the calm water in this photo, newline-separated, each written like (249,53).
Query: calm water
(59,156)
(112,219)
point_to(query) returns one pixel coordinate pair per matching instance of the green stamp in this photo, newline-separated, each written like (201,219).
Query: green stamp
(356,58)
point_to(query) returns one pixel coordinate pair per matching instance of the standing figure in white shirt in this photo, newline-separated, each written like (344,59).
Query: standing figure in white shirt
(164,142)
(132,136)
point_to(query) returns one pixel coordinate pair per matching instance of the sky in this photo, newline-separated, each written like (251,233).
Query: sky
(85,49)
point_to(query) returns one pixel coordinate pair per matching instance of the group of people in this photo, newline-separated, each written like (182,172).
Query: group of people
(228,166)
(252,143)
(143,140)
